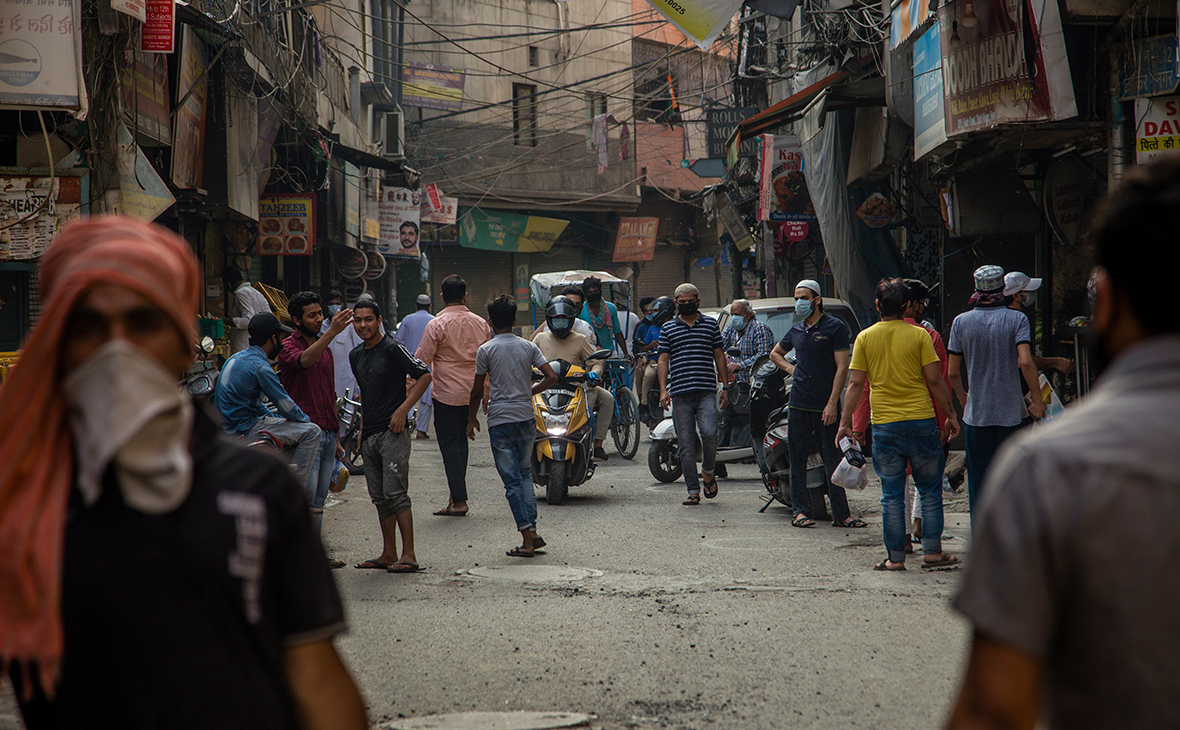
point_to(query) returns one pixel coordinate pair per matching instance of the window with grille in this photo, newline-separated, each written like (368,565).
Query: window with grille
(524,115)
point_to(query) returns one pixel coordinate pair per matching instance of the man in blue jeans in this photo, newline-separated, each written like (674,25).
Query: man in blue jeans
(691,363)
(899,360)
(507,361)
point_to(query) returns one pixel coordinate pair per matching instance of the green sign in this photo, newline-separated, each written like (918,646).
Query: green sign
(494,230)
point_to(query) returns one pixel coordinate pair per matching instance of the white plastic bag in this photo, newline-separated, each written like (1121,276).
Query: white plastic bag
(847,475)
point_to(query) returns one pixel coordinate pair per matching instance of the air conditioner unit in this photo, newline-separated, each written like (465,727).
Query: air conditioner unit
(390,131)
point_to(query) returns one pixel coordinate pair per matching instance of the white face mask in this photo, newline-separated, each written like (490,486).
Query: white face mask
(1030,298)
(124,408)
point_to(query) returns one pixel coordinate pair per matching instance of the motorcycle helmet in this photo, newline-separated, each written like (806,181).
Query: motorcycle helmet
(559,316)
(662,310)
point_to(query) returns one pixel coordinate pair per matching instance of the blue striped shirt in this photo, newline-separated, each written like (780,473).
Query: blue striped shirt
(691,367)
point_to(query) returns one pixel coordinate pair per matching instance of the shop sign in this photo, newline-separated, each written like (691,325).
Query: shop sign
(720,123)
(399,215)
(701,20)
(41,50)
(24,199)
(351,262)
(636,239)
(286,224)
(929,110)
(876,211)
(1148,68)
(158,32)
(428,86)
(146,106)
(494,230)
(986,80)
(783,194)
(1158,130)
(1064,199)
(188,134)
(135,8)
(446,215)
(352,198)
(376,265)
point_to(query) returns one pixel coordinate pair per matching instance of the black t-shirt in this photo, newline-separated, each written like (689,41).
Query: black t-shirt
(381,374)
(180,620)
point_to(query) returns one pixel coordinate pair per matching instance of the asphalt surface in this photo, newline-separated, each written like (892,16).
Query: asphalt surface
(685,617)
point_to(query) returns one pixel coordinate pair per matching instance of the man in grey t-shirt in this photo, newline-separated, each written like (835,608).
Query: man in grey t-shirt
(1073,586)
(507,362)
(994,341)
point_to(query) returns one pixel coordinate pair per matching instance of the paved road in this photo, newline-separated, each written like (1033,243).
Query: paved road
(709,616)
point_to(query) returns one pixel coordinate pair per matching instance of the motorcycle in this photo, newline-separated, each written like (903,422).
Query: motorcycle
(348,411)
(561,456)
(202,379)
(770,391)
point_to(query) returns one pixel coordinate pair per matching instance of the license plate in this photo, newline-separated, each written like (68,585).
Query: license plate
(815,461)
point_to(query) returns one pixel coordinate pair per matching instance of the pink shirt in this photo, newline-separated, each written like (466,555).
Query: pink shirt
(448,348)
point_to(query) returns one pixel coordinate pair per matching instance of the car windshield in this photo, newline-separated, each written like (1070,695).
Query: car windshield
(780,320)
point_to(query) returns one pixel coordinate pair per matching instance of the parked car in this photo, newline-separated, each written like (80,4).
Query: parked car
(779,315)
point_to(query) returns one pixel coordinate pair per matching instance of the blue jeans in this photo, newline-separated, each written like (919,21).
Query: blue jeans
(918,443)
(512,444)
(322,469)
(693,411)
(982,444)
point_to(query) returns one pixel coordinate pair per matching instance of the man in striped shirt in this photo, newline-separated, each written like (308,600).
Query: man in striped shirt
(691,363)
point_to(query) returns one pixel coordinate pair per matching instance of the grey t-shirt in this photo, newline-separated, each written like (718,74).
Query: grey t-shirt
(1076,556)
(987,337)
(508,361)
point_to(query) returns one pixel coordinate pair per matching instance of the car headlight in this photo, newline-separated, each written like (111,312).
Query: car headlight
(556,423)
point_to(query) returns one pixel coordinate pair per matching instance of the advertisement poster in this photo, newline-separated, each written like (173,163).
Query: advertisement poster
(929,109)
(907,16)
(158,32)
(146,107)
(783,194)
(636,240)
(446,215)
(987,81)
(399,214)
(433,87)
(41,56)
(21,198)
(494,230)
(286,224)
(1158,130)
(701,20)
(188,134)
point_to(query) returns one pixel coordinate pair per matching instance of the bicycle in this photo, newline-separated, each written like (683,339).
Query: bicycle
(349,413)
(624,425)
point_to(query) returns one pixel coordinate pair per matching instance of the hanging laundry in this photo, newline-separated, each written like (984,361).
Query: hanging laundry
(624,143)
(598,141)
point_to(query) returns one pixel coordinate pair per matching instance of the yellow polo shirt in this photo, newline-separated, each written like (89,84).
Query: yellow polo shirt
(893,354)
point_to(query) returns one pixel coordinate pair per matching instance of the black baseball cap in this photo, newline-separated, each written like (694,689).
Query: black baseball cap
(266,325)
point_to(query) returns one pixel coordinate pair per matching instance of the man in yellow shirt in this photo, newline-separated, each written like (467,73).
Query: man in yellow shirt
(899,360)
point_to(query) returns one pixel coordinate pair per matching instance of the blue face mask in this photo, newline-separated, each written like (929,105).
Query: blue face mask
(802,309)
(333,309)
(737,324)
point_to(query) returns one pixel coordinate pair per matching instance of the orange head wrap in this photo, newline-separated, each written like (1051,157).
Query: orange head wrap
(36,451)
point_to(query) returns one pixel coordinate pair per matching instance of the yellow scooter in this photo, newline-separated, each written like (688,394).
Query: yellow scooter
(565,431)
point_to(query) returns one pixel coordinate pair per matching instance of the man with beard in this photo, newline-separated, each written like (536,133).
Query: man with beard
(307,370)
(153,572)
(1072,587)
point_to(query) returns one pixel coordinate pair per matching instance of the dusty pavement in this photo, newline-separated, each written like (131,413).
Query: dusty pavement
(684,617)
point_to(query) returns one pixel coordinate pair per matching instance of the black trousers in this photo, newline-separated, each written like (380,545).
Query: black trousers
(450,429)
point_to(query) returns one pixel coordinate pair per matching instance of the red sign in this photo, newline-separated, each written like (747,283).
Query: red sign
(637,239)
(158,33)
(796,230)
(433,197)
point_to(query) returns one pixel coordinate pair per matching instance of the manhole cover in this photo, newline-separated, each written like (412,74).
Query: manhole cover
(492,721)
(535,573)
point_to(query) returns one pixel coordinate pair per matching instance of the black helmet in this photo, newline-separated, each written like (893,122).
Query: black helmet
(559,316)
(661,310)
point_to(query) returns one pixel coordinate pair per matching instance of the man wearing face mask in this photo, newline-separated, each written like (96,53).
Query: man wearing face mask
(132,532)
(753,339)
(603,317)
(246,377)
(1072,588)
(581,326)
(1020,293)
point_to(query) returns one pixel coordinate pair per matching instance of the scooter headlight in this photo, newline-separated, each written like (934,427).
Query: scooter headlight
(556,423)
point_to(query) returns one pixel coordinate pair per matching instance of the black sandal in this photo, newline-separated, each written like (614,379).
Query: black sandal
(802,520)
(692,501)
(851,523)
(710,487)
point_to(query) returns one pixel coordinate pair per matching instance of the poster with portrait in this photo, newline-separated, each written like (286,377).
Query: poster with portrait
(399,213)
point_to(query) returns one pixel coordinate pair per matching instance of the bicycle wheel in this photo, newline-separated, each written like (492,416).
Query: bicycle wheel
(624,427)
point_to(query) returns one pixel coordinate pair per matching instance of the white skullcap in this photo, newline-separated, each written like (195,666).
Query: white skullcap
(687,289)
(811,284)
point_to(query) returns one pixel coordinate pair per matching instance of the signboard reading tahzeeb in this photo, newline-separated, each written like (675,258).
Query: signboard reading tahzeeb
(286,224)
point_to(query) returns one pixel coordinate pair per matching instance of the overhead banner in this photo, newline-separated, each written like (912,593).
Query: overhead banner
(398,213)
(783,194)
(433,87)
(41,56)
(987,79)
(1158,130)
(286,224)
(905,19)
(494,230)
(929,109)
(636,240)
(701,20)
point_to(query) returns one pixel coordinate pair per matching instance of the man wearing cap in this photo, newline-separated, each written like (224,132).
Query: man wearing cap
(246,377)
(691,363)
(409,335)
(820,342)
(133,533)
(993,340)
(1020,293)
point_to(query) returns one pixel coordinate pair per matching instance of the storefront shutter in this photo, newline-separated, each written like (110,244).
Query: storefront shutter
(660,276)
(487,273)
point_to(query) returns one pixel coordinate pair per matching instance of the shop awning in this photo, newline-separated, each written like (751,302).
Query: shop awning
(867,92)
(360,158)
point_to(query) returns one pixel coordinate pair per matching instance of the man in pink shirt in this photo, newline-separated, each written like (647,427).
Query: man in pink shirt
(448,347)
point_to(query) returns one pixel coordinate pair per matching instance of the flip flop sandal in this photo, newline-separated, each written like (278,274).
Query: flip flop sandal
(852,524)
(334,564)
(371,565)
(884,566)
(448,512)
(710,487)
(400,567)
(946,561)
(802,521)
(518,553)
(692,501)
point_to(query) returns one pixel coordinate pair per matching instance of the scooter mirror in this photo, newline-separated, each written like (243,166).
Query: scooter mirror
(207,345)
(733,352)
(601,355)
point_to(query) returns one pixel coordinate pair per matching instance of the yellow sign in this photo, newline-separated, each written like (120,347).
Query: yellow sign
(701,20)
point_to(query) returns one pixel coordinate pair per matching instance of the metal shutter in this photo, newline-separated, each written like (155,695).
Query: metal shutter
(562,257)
(660,276)
(487,273)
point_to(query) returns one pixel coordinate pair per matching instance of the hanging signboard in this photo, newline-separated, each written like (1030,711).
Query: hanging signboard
(135,8)
(494,230)
(733,224)
(158,32)
(286,224)
(351,262)
(929,109)
(399,217)
(783,194)
(988,80)
(1158,130)
(433,87)
(1148,68)
(146,108)
(376,265)
(1065,198)
(636,239)
(41,57)
(701,20)
(188,134)
(446,215)
(719,125)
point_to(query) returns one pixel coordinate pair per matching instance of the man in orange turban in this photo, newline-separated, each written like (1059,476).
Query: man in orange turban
(151,571)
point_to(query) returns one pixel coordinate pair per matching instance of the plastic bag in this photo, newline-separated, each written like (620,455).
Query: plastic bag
(849,476)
